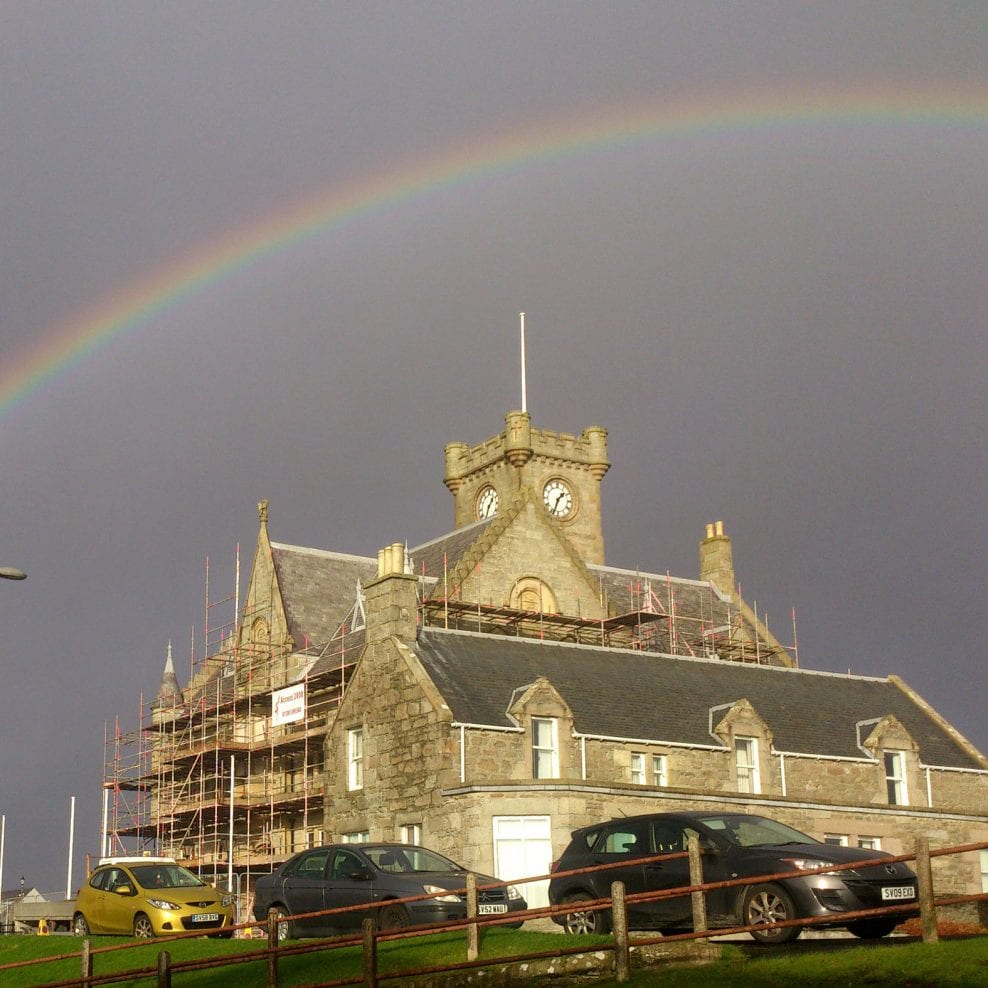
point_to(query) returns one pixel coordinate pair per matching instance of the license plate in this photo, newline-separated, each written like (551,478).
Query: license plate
(898,892)
(490,909)
(206,918)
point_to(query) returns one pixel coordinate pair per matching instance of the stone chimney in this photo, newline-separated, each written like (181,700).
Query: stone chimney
(390,599)
(717,559)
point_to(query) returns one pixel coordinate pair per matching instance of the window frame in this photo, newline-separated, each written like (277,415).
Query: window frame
(638,768)
(746,774)
(410,833)
(660,770)
(355,758)
(545,755)
(896,787)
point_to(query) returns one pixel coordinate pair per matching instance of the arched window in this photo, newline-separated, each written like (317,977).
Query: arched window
(532,594)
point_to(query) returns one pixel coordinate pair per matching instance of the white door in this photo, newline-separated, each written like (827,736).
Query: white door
(522,848)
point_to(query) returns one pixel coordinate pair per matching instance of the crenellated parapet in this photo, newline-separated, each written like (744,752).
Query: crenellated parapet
(564,469)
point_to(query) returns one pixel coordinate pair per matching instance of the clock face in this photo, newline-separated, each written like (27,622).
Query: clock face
(487,502)
(558,499)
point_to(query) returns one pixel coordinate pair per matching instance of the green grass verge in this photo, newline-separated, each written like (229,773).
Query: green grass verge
(952,963)
(401,955)
(961,963)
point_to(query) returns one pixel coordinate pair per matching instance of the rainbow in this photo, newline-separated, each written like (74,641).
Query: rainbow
(67,345)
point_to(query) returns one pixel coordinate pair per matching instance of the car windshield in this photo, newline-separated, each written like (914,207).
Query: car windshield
(403,859)
(754,831)
(165,876)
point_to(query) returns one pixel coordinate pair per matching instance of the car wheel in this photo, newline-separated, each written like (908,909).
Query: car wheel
(585,921)
(143,929)
(79,925)
(872,929)
(770,904)
(286,928)
(392,916)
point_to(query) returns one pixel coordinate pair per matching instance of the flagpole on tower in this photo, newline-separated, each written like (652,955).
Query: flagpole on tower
(524,386)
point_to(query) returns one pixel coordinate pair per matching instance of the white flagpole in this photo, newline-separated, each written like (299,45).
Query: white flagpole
(524,386)
(229,857)
(68,878)
(3,836)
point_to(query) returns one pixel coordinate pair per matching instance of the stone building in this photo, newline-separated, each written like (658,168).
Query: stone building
(489,691)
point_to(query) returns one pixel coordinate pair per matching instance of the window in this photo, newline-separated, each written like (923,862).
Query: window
(838,840)
(531,594)
(545,748)
(411,833)
(746,760)
(895,778)
(637,768)
(355,758)
(630,840)
(659,777)
(347,865)
(984,871)
(357,837)
(870,843)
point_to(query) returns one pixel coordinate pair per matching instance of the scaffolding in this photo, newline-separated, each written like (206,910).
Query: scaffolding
(217,778)
(213,776)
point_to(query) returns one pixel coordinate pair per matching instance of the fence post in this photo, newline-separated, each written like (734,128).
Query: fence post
(370,953)
(164,969)
(619,920)
(924,876)
(699,899)
(87,961)
(473,930)
(273,928)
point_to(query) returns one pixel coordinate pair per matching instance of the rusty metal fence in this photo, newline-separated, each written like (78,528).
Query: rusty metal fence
(617,904)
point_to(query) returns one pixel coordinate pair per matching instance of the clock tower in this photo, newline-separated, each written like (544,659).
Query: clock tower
(561,472)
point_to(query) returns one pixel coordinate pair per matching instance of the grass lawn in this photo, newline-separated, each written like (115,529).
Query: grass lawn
(960,962)
(396,956)
(953,963)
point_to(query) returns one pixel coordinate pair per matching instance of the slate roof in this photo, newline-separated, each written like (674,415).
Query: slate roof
(318,589)
(626,591)
(646,696)
(427,558)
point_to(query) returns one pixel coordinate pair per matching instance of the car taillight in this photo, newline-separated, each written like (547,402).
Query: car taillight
(554,866)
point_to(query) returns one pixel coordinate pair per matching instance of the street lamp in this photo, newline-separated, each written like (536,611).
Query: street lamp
(9,573)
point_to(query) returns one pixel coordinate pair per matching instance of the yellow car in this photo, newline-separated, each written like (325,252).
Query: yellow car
(149,897)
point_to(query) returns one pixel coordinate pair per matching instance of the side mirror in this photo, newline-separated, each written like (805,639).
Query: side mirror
(361,875)
(124,890)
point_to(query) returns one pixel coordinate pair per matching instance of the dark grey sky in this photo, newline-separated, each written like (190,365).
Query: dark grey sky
(781,327)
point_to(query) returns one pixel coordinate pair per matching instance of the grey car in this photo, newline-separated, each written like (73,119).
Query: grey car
(734,845)
(373,876)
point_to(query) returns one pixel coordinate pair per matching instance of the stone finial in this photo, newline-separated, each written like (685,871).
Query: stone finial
(169,692)
(262,511)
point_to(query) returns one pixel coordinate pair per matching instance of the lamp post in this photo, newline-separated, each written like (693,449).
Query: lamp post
(9,573)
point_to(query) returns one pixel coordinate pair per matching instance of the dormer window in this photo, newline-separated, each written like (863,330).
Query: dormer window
(545,748)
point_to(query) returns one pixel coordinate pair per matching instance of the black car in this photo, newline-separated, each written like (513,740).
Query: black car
(373,875)
(733,845)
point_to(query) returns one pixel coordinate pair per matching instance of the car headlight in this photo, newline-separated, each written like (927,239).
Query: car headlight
(513,894)
(448,897)
(806,863)
(227,900)
(163,904)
